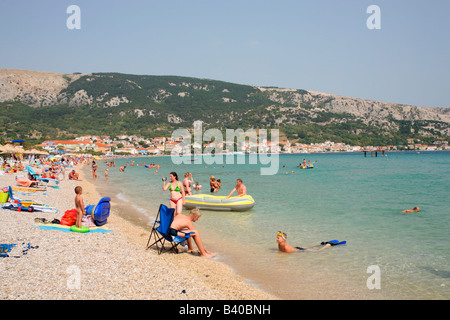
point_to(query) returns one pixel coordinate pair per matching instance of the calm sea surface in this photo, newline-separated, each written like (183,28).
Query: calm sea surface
(345,197)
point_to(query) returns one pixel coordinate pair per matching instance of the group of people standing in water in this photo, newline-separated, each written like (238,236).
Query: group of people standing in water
(178,192)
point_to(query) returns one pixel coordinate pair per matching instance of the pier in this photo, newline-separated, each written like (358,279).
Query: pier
(374,151)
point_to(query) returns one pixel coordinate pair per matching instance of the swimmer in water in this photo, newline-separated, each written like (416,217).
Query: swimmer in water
(415,209)
(283,246)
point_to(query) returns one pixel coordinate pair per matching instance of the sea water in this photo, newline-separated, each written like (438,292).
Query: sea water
(346,197)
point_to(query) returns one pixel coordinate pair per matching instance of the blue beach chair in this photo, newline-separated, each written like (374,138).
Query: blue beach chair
(18,204)
(34,176)
(161,230)
(11,197)
(100,212)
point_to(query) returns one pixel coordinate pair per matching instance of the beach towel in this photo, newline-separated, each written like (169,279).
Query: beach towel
(88,221)
(64,228)
(15,250)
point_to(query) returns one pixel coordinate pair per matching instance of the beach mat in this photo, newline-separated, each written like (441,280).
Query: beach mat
(30,189)
(15,250)
(64,228)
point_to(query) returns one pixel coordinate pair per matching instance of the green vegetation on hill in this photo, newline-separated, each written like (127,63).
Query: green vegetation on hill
(156,105)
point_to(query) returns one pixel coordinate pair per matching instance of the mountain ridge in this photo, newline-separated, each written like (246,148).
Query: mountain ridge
(166,102)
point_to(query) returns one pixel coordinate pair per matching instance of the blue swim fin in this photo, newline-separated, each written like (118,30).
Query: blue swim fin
(329,242)
(334,242)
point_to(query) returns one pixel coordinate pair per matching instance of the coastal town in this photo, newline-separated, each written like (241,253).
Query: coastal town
(139,145)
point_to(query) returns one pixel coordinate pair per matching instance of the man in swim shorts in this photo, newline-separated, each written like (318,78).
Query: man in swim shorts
(74,176)
(283,246)
(185,224)
(240,188)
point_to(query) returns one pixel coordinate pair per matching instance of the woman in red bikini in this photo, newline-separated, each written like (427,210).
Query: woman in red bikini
(177,194)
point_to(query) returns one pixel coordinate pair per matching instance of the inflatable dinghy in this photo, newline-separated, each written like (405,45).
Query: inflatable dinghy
(219,203)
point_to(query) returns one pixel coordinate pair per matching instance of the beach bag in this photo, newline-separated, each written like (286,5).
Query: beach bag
(69,218)
(88,221)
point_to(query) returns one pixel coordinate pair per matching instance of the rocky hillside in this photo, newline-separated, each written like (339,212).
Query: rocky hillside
(34,88)
(136,103)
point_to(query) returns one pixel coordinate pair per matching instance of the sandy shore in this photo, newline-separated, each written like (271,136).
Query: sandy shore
(113,265)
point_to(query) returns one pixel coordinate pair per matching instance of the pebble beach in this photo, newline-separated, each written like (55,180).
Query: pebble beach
(103,266)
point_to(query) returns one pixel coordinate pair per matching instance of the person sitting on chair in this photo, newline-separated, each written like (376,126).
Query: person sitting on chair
(185,224)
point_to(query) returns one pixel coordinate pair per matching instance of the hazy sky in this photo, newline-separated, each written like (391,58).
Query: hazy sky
(304,44)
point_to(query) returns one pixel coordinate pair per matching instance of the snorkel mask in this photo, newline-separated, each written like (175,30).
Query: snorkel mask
(282,234)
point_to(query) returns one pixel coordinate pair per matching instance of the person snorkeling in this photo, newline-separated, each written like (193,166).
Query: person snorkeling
(283,246)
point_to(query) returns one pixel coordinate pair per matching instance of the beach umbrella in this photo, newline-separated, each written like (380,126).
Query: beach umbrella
(36,151)
(43,152)
(19,149)
(53,157)
(9,148)
(33,151)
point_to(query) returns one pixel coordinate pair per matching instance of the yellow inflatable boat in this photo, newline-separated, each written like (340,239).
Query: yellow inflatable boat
(219,203)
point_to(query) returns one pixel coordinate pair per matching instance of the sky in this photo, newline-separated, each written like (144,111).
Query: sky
(320,45)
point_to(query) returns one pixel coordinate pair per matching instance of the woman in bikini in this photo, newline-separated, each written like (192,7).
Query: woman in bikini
(94,170)
(177,194)
(187,183)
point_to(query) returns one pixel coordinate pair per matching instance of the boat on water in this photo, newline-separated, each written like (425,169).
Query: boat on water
(219,203)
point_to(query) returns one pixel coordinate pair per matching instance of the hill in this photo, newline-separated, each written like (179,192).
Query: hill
(42,105)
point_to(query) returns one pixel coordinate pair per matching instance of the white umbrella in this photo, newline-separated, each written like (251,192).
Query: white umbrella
(9,148)
(36,151)
(19,149)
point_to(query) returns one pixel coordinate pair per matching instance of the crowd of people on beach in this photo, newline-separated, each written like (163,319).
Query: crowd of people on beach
(54,167)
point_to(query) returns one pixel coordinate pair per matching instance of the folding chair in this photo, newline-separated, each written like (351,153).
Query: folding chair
(161,230)
(18,202)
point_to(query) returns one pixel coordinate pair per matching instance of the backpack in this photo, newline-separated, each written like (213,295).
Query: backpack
(69,218)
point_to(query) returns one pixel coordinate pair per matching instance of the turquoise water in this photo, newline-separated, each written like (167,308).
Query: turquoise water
(346,197)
